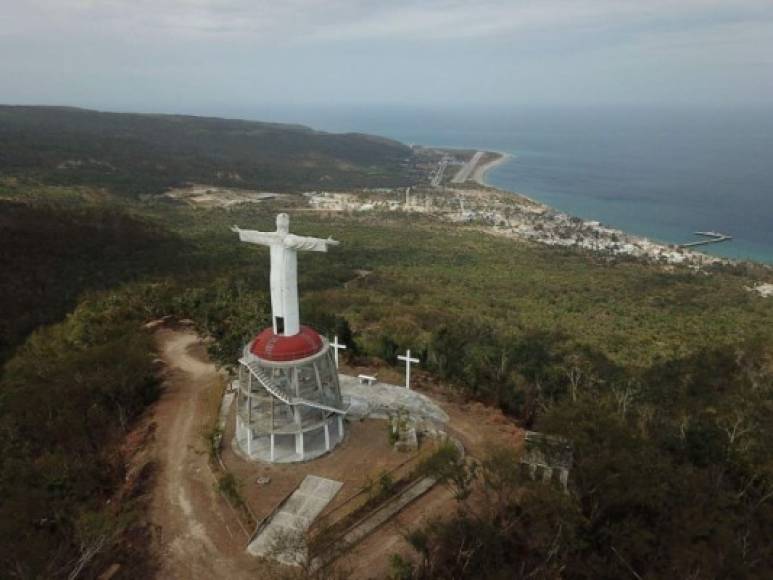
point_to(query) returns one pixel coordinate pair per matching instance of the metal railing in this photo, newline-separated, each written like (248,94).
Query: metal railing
(275,390)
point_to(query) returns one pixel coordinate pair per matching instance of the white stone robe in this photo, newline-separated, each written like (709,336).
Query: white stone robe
(284,270)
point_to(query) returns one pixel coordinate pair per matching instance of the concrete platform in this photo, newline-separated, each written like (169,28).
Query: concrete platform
(293,519)
(380,400)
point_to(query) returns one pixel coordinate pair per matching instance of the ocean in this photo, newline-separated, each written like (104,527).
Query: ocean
(661,173)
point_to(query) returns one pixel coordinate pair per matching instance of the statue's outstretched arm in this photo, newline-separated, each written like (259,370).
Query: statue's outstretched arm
(255,237)
(308,244)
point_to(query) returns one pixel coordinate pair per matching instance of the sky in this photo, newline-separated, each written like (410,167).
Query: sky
(209,56)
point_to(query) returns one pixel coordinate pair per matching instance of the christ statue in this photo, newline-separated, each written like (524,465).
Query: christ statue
(284,269)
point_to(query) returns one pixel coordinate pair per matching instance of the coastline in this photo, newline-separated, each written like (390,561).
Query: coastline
(500,212)
(602,237)
(479,175)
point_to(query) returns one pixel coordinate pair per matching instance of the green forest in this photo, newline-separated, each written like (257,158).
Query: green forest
(137,154)
(661,378)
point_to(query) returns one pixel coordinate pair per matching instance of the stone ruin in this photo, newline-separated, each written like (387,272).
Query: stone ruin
(403,431)
(548,458)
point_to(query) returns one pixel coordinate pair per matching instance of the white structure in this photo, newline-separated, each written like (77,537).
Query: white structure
(289,404)
(291,410)
(284,269)
(408,360)
(336,347)
(547,457)
(294,516)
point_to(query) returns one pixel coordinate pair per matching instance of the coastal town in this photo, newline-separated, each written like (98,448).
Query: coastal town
(455,192)
(464,198)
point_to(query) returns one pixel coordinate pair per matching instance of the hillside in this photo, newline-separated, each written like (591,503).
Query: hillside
(646,368)
(140,154)
(53,253)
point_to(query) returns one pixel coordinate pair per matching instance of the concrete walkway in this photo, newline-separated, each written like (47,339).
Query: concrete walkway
(288,525)
(377,518)
(385,512)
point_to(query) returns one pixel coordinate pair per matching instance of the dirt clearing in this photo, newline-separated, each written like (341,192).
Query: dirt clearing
(198,534)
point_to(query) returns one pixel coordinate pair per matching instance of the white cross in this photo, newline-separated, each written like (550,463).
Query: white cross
(337,345)
(408,360)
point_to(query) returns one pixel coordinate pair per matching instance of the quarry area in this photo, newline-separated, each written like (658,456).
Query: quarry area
(214,196)
(764,290)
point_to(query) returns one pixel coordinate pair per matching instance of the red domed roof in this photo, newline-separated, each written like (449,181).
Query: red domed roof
(276,347)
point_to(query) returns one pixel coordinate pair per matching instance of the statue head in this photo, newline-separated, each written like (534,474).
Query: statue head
(283,223)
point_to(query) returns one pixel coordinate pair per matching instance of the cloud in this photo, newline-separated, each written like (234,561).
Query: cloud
(184,51)
(308,21)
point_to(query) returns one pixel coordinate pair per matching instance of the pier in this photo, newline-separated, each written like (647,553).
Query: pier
(712,238)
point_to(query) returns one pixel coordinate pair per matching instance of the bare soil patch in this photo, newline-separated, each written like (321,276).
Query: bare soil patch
(215,196)
(362,457)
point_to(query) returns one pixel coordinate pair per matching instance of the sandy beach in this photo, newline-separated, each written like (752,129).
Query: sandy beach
(479,174)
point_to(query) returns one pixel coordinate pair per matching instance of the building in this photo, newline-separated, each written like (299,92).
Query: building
(548,458)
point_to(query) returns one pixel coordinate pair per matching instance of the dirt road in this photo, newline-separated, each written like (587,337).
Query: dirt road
(199,536)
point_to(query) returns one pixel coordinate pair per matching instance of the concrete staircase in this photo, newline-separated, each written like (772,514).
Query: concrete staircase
(276,391)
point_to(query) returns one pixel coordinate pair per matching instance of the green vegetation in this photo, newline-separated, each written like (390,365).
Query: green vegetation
(229,487)
(213,438)
(661,378)
(67,399)
(513,529)
(143,154)
(672,479)
(449,466)
(386,485)
(53,251)
(377,491)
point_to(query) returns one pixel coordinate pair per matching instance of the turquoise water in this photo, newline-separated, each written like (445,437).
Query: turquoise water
(661,173)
